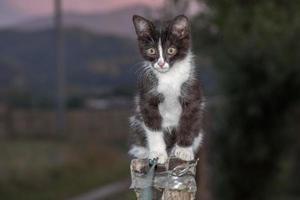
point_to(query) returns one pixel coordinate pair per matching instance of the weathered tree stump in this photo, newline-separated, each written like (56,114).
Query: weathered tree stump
(173,180)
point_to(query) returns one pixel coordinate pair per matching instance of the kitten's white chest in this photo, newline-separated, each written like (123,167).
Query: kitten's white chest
(170,109)
(169,84)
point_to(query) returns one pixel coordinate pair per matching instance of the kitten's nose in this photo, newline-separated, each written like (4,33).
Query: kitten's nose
(161,64)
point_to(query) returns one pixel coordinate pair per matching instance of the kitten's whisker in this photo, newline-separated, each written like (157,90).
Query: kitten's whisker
(142,71)
(136,66)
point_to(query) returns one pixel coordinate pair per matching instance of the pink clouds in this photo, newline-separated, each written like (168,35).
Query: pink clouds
(45,7)
(32,7)
(105,5)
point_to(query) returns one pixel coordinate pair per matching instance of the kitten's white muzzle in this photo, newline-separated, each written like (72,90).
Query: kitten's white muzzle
(161,67)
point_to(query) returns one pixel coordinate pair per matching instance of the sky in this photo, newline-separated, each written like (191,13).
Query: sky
(12,11)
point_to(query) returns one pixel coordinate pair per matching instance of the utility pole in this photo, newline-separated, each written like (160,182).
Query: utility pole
(60,64)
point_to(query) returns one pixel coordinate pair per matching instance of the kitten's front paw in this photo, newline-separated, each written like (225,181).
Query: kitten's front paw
(161,156)
(184,153)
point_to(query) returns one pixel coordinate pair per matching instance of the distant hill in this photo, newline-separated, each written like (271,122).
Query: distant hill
(117,22)
(93,61)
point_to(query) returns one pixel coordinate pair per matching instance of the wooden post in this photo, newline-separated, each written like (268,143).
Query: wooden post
(174,180)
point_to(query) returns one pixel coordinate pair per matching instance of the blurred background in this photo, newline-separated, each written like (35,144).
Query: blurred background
(67,77)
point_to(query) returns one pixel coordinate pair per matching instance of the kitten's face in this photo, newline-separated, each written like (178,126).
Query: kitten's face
(165,43)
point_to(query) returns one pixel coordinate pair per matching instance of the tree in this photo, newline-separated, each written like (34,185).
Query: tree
(254,46)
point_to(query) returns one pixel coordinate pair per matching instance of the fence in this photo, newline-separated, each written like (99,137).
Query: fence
(81,122)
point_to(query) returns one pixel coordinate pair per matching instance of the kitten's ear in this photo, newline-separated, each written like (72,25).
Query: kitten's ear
(142,26)
(180,26)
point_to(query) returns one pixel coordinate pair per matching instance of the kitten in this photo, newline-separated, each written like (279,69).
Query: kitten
(169,103)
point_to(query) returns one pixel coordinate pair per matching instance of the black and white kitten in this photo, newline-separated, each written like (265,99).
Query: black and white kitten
(169,103)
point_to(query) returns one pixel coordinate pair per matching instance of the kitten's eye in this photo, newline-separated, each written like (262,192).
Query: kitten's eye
(172,50)
(151,51)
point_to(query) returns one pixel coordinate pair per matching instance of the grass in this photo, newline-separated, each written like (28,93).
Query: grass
(39,169)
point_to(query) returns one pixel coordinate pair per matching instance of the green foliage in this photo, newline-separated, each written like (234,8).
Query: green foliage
(255,47)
